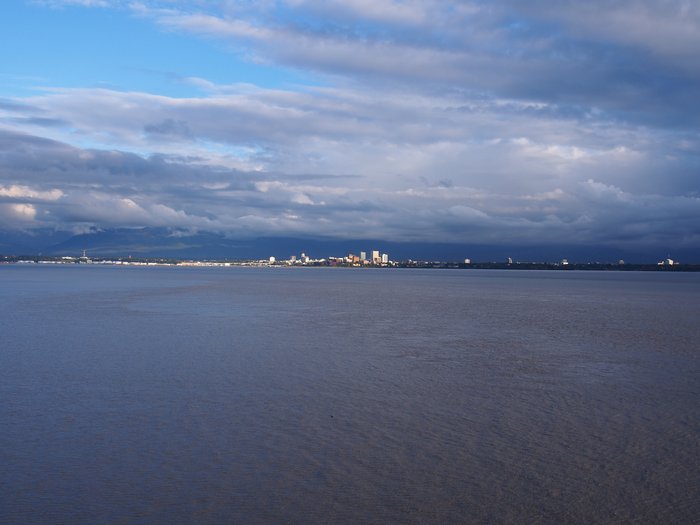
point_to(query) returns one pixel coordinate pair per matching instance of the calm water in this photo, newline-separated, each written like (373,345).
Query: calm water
(173,395)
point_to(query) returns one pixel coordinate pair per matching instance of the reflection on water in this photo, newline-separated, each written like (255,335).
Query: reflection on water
(138,395)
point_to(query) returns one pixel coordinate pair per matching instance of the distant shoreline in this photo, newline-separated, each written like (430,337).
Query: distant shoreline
(437,265)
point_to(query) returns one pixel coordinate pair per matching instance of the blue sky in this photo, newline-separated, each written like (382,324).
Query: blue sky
(499,122)
(64,44)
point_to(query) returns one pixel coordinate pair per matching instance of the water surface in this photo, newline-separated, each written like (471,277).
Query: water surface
(216,395)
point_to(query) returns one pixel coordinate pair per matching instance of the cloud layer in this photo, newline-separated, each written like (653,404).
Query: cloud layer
(465,122)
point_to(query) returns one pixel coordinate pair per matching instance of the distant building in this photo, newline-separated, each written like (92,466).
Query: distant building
(667,262)
(385,258)
(467,261)
(363,256)
(509,260)
(564,262)
(375,256)
(272,260)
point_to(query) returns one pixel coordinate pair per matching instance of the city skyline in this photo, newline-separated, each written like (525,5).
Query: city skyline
(565,129)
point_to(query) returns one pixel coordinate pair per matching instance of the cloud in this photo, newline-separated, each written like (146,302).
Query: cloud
(402,13)
(491,122)
(25,192)
(12,106)
(632,59)
(667,29)
(19,214)
(80,3)
(116,189)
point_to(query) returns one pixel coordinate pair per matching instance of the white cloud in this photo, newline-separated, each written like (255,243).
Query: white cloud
(19,212)
(25,192)
(81,3)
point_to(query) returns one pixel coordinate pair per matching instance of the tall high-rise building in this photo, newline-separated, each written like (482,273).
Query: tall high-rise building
(375,256)
(363,256)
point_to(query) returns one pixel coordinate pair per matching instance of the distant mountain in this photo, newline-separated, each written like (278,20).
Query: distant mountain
(150,242)
(167,242)
(33,243)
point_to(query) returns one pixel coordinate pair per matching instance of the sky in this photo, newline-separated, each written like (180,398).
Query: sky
(469,122)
